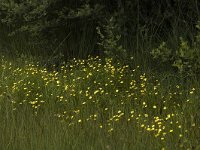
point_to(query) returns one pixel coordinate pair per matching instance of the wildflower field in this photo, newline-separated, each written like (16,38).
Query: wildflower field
(96,104)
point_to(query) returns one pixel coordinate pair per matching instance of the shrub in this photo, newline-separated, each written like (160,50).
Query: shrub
(110,37)
(56,24)
(186,58)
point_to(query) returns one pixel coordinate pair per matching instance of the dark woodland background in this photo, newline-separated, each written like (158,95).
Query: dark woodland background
(77,28)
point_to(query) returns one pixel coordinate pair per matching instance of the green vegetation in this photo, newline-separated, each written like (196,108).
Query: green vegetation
(95,104)
(185,58)
(90,74)
(58,25)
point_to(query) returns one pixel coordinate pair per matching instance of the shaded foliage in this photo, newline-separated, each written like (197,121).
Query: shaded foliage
(70,25)
(185,58)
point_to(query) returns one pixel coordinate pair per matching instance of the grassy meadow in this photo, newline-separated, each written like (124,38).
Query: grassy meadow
(96,104)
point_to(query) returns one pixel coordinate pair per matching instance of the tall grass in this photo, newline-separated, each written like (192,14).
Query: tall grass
(95,104)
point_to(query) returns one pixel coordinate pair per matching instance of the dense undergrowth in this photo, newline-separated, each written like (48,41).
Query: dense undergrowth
(95,104)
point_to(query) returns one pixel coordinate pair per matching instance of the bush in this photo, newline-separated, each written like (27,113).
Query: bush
(61,24)
(110,37)
(186,58)
(57,24)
